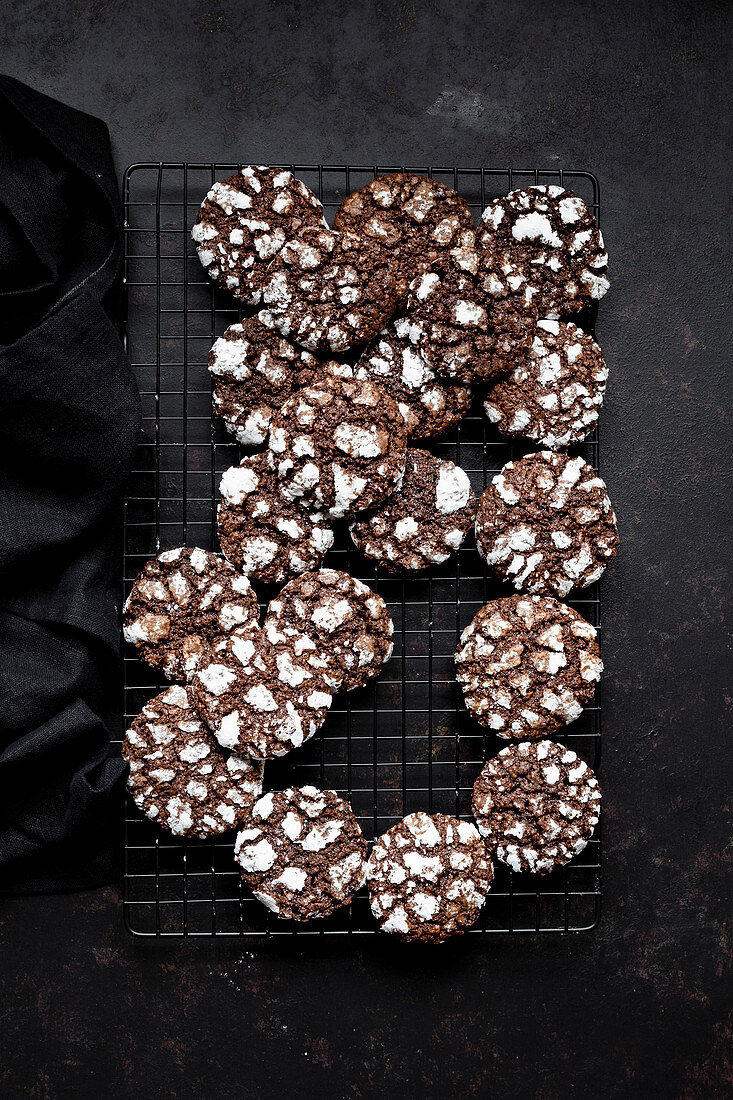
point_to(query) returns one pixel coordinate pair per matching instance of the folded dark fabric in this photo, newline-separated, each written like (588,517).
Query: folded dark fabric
(69,425)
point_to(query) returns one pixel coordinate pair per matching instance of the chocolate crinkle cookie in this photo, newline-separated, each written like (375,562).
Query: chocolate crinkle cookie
(267,537)
(417,218)
(536,805)
(258,699)
(428,877)
(245,220)
(424,522)
(429,405)
(330,291)
(302,853)
(472,319)
(527,666)
(180,602)
(551,237)
(254,371)
(349,623)
(556,395)
(179,776)
(338,446)
(546,524)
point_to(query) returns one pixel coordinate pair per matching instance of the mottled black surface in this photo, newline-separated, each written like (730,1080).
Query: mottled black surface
(636,1008)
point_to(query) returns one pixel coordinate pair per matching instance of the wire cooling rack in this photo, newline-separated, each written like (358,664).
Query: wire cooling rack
(405,742)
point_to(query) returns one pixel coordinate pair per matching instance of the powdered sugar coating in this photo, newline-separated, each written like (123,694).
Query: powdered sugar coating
(417,218)
(527,666)
(424,522)
(536,804)
(255,370)
(245,220)
(259,699)
(556,395)
(264,535)
(546,524)
(182,601)
(179,776)
(551,237)
(338,446)
(302,852)
(429,405)
(349,623)
(330,291)
(471,318)
(428,877)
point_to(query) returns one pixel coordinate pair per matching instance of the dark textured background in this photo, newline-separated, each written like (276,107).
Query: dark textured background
(635,92)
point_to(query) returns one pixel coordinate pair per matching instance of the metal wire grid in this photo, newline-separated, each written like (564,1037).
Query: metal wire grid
(405,742)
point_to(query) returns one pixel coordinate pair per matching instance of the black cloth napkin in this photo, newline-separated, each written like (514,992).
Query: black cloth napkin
(69,425)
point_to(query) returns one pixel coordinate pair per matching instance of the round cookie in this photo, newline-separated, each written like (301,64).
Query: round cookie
(255,370)
(348,622)
(527,666)
(330,291)
(429,405)
(245,220)
(536,805)
(424,522)
(180,602)
(556,395)
(179,776)
(417,218)
(546,525)
(428,877)
(261,533)
(258,699)
(338,446)
(472,320)
(551,237)
(302,853)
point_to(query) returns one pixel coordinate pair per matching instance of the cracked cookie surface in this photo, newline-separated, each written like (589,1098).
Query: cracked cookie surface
(417,218)
(269,538)
(527,666)
(546,525)
(429,405)
(536,805)
(302,853)
(254,371)
(330,291)
(179,776)
(259,699)
(424,521)
(473,320)
(556,395)
(348,622)
(245,220)
(551,237)
(338,446)
(180,602)
(428,877)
